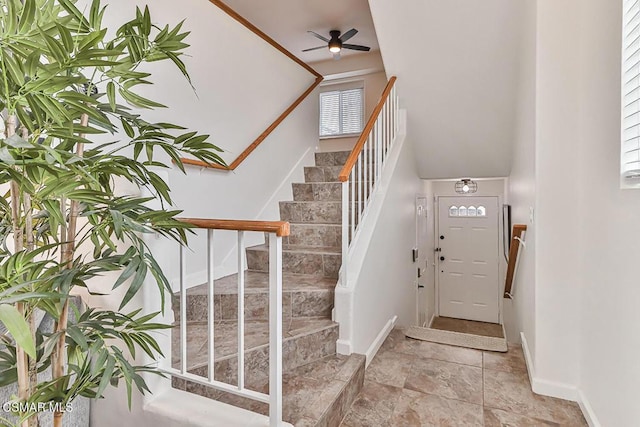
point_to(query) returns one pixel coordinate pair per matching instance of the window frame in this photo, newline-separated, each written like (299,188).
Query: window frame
(628,8)
(340,88)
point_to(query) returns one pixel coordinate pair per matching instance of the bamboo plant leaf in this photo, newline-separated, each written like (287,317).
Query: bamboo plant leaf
(18,327)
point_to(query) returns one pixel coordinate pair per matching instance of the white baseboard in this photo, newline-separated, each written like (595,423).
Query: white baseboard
(555,389)
(343,347)
(382,335)
(527,356)
(559,390)
(546,387)
(587,410)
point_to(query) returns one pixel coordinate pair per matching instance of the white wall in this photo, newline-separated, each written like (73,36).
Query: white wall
(385,286)
(610,230)
(557,226)
(241,87)
(456,63)
(582,327)
(522,186)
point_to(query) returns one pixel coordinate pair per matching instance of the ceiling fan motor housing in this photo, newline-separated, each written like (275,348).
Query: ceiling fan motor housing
(335,44)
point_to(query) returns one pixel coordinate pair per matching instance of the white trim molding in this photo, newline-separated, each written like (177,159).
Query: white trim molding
(587,410)
(546,387)
(377,343)
(559,390)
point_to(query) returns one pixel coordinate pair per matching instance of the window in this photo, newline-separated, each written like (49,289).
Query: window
(469,212)
(630,152)
(341,112)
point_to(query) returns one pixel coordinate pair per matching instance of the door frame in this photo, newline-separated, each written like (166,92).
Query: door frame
(422,252)
(501,270)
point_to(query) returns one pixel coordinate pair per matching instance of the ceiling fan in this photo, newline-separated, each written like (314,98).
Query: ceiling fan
(336,42)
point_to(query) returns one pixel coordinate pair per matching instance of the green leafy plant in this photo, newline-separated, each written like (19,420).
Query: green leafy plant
(64,86)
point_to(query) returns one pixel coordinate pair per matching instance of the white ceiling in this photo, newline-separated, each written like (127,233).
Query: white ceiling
(287,22)
(458,65)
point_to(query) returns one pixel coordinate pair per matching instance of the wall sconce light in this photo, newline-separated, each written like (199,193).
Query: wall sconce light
(466,186)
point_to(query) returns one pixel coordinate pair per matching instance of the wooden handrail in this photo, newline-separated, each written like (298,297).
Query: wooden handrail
(234,164)
(518,231)
(353,157)
(281,228)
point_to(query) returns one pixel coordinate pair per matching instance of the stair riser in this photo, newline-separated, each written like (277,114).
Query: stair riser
(295,304)
(296,352)
(315,235)
(336,158)
(326,174)
(325,192)
(335,413)
(321,174)
(321,192)
(326,265)
(311,212)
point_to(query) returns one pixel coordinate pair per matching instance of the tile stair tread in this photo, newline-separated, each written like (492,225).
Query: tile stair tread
(226,337)
(325,250)
(310,392)
(258,281)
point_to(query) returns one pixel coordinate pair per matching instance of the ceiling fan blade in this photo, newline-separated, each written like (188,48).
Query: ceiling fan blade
(356,47)
(346,36)
(314,48)
(324,39)
(336,56)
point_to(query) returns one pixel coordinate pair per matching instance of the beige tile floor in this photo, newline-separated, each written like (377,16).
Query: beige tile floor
(413,383)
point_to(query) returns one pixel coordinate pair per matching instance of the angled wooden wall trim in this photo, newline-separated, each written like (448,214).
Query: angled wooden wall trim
(234,164)
(514,248)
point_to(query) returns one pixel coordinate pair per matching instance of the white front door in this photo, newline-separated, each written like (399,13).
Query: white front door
(468,259)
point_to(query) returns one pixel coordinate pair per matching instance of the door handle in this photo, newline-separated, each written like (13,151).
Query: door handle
(441,258)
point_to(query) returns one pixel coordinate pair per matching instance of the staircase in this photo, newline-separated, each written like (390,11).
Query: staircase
(318,385)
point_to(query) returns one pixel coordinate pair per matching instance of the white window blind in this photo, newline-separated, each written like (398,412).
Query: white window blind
(341,112)
(630,153)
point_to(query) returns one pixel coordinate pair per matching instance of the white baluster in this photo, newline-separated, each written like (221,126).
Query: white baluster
(345,232)
(352,199)
(275,330)
(360,188)
(183,309)
(211,305)
(240,310)
(371,166)
(365,159)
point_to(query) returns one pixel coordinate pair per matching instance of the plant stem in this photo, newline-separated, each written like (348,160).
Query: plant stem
(18,241)
(67,261)
(28,225)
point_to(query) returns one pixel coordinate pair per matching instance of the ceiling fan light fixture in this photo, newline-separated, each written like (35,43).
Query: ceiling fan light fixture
(335,48)
(466,186)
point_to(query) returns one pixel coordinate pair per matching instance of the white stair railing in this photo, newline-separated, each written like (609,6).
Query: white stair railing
(363,168)
(275,230)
